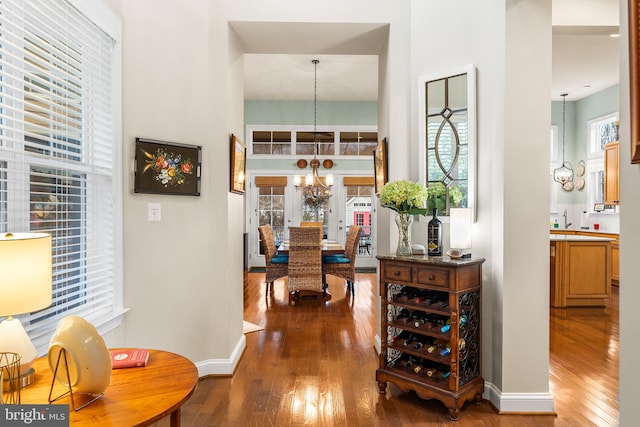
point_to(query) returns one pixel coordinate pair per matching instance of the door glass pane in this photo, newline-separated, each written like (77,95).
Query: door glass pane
(316,210)
(271,211)
(358,212)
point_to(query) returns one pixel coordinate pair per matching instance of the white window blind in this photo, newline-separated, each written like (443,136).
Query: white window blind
(59,149)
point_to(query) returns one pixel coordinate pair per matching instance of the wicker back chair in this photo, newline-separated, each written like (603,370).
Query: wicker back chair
(305,264)
(311,224)
(345,266)
(276,266)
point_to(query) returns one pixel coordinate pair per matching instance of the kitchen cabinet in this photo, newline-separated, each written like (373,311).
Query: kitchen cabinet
(431,328)
(614,266)
(611,173)
(615,262)
(580,271)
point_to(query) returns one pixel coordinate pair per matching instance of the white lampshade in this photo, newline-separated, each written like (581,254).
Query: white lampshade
(25,278)
(460,228)
(25,286)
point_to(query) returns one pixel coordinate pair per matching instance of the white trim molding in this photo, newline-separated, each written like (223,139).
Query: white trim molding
(223,366)
(519,403)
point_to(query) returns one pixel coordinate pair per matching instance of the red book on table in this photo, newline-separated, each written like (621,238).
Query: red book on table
(130,358)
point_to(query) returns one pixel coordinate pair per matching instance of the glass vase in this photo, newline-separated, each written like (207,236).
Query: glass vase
(403,221)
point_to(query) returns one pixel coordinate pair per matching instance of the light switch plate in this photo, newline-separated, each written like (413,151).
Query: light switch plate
(153,212)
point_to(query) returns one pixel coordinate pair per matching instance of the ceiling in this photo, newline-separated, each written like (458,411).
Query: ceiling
(585,56)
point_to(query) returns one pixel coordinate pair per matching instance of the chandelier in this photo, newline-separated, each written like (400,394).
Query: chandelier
(315,189)
(563,174)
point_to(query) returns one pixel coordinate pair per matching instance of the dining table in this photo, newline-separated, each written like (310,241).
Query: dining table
(329,247)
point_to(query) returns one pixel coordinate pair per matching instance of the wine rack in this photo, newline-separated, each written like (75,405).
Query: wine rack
(431,328)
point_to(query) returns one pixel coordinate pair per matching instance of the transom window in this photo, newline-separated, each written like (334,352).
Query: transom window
(336,141)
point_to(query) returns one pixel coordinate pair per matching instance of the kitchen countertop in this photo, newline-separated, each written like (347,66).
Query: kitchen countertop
(575,238)
(590,230)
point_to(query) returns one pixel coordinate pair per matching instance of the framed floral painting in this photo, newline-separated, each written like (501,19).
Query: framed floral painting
(380,166)
(238,157)
(167,168)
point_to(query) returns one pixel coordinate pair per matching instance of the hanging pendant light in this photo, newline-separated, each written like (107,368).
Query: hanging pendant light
(563,174)
(314,189)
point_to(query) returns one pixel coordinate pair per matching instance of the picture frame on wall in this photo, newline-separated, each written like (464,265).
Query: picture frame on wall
(634,76)
(238,165)
(163,167)
(380,166)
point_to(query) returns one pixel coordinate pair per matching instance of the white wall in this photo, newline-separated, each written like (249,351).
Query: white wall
(183,275)
(183,278)
(629,390)
(510,44)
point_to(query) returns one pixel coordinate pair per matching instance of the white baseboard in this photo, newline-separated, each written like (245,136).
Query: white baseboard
(377,344)
(223,366)
(540,403)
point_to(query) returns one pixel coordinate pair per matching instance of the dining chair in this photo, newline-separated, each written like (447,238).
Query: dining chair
(318,224)
(305,264)
(276,266)
(311,224)
(344,266)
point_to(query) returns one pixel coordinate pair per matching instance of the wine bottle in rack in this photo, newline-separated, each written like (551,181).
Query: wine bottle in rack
(418,343)
(438,343)
(418,319)
(417,368)
(405,294)
(404,316)
(447,326)
(401,337)
(430,371)
(397,361)
(446,349)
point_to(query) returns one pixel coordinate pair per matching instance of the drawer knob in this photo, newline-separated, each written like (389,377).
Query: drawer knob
(396,273)
(432,277)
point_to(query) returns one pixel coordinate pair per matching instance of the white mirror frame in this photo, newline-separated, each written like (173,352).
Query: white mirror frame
(470,71)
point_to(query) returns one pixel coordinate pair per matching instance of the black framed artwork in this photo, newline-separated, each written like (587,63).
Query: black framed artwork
(167,168)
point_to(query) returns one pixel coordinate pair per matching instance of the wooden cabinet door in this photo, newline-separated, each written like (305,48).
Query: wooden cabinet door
(615,262)
(611,166)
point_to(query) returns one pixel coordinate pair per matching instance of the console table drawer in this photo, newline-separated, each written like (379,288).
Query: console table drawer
(433,277)
(397,272)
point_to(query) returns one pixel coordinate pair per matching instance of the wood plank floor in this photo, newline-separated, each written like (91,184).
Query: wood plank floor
(316,366)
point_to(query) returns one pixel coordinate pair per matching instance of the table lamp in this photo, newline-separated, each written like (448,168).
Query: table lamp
(25,286)
(460,232)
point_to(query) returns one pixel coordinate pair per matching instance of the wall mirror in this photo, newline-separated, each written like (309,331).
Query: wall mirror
(447,137)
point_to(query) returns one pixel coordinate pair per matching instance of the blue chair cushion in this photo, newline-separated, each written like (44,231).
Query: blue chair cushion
(335,259)
(280,259)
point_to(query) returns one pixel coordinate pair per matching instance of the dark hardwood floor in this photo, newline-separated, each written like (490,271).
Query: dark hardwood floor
(316,366)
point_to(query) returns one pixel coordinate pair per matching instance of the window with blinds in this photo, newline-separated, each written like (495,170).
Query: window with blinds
(59,149)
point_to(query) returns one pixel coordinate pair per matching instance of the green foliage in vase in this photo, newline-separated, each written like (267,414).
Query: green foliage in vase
(404,197)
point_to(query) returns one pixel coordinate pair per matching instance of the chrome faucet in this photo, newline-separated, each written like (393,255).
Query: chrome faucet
(566,224)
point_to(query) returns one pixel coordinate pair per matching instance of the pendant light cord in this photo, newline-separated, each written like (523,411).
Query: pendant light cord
(564,123)
(315,107)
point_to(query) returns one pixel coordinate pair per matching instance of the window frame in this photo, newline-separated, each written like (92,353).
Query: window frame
(101,17)
(470,71)
(294,129)
(595,158)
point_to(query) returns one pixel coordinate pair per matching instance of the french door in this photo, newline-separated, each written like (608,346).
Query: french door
(274,200)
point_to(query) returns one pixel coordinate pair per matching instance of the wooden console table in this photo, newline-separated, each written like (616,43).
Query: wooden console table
(135,397)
